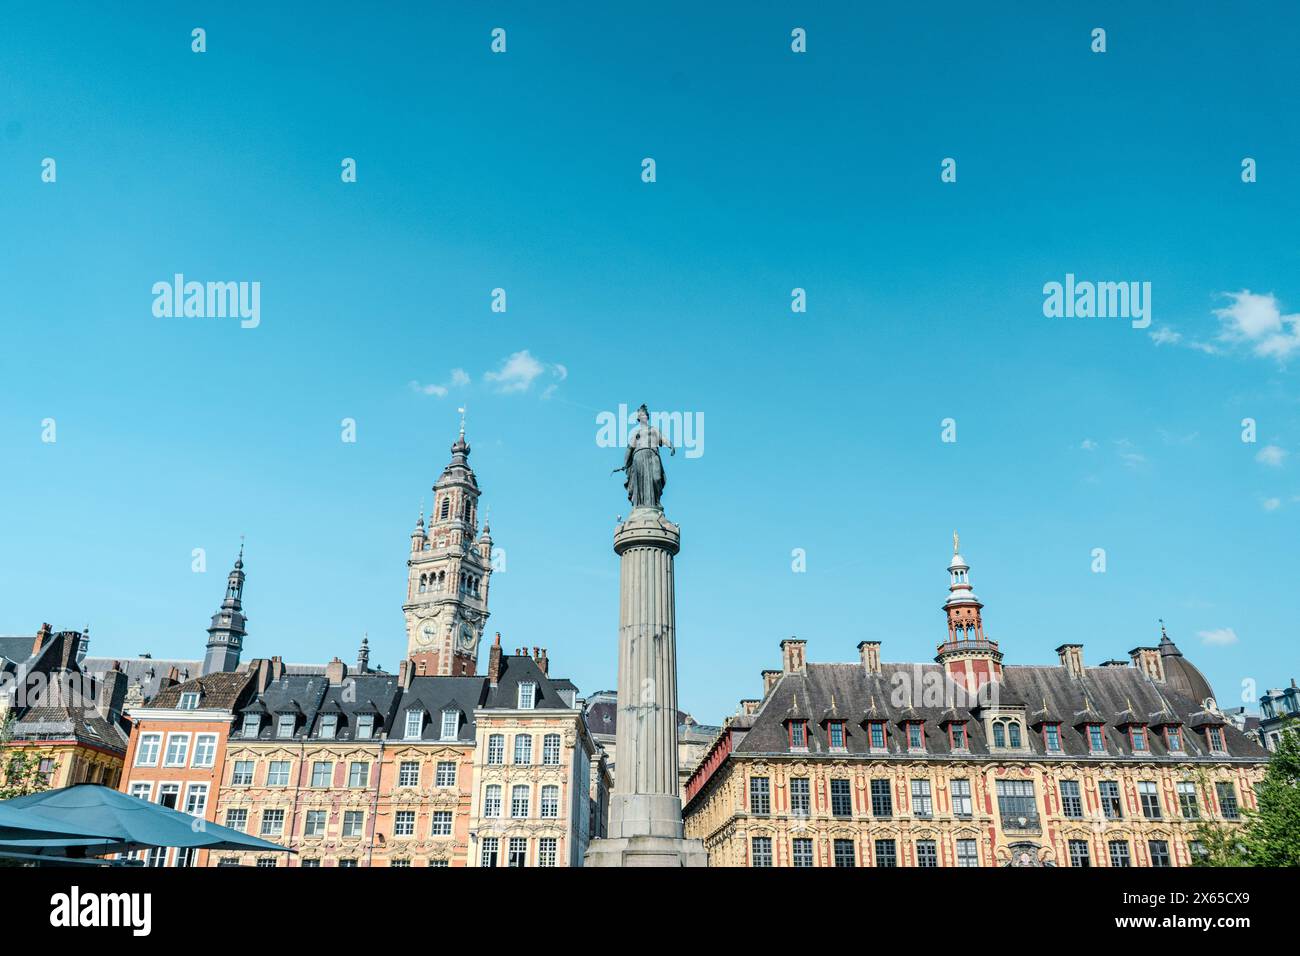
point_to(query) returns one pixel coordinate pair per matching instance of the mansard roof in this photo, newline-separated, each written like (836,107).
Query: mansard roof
(220,690)
(1112,693)
(517,669)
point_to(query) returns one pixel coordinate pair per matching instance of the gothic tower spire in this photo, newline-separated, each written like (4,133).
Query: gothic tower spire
(228,628)
(968,656)
(448,569)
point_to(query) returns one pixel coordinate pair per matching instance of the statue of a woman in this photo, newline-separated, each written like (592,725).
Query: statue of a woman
(643,467)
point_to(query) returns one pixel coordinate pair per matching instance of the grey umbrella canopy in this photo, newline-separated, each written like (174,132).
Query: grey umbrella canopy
(113,822)
(31,825)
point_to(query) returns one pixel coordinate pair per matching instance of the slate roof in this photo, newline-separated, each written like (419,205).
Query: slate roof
(223,690)
(65,705)
(145,675)
(1104,691)
(16,649)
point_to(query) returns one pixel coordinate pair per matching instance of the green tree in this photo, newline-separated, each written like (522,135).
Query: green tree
(20,768)
(1272,832)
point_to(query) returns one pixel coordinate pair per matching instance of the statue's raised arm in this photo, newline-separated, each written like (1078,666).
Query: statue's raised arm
(642,466)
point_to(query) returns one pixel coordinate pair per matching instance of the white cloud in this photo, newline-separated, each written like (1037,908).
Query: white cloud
(1271,504)
(520,370)
(1166,336)
(1220,637)
(1088,444)
(1271,455)
(1129,454)
(458,379)
(1256,321)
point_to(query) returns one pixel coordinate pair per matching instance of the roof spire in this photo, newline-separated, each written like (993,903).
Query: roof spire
(462,422)
(955,542)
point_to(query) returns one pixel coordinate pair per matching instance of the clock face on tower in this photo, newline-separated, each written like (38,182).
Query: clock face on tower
(466,639)
(425,633)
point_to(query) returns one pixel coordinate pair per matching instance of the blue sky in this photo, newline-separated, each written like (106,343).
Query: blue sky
(774,171)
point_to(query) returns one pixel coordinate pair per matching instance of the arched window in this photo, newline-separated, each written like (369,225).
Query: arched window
(999,734)
(492,800)
(1013,733)
(551,749)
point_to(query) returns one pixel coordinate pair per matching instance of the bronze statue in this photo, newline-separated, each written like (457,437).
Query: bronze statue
(642,465)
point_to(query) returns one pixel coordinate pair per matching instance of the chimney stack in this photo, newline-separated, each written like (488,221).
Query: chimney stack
(1149,661)
(869,651)
(335,672)
(543,663)
(494,661)
(42,636)
(1071,658)
(770,677)
(792,656)
(277,667)
(111,694)
(749,705)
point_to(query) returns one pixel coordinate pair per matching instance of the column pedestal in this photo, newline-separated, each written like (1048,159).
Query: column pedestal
(645,809)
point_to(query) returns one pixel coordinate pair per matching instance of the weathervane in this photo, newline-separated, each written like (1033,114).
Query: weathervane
(954,542)
(462,420)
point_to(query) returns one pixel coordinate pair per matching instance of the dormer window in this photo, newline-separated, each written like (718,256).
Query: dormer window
(285,725)
(798,735)
(915,736)
(365,726)
(1006,733)
(1096,739)
(957,735)
(189,701)
(1215,737)
(835,734)
(1052,738)
(329,725)
(1138,738)
(414,724)
(450,725)
(876,735)
(252,724)
(1174,738)
(527,695)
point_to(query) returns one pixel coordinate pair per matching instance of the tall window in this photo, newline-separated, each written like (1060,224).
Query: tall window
(1096,739)
(523,749)
(1013,733)
(527,695)
(801,852)
(799,802)
(329,726)
(1071,799)
(1016,804)
(760,798)
(886,853)
(322,773)
(242,774)
(408,774)
(836,731)
(358,774)
(496,752)
(876,734)
(252,724)
(519,800)
(1187,800)
(845,857)
(961,802)
(205,750)
(1138,737)
(492,800)
(922,805)
(488,856)
(353,822)
(841,799)
(1159,852)
(441,823)
(196,799)
(1052,738)
(1111,807)
(1150,799)
(1119,855)
(957,734)
(277,773)
(284,725)
(967,853)
(178,748)
(146,754)
(927,854)
(1174,739)
(798,735)
(314,823)
(414,724)
(546,854)
(551,749)
(1215,736)
(882,799)
(1079,855)
(404,823)
(365,726)
(1227,801)
(915,737)
(550,801)
(446,774)
(761,851)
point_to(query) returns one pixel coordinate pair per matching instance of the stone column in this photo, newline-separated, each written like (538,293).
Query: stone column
(645,810)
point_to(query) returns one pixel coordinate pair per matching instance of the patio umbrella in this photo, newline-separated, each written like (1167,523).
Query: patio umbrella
(31,825)
(113,822)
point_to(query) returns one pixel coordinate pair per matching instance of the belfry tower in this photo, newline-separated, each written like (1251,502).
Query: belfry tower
(229,626)
(446,604)
(967,655)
